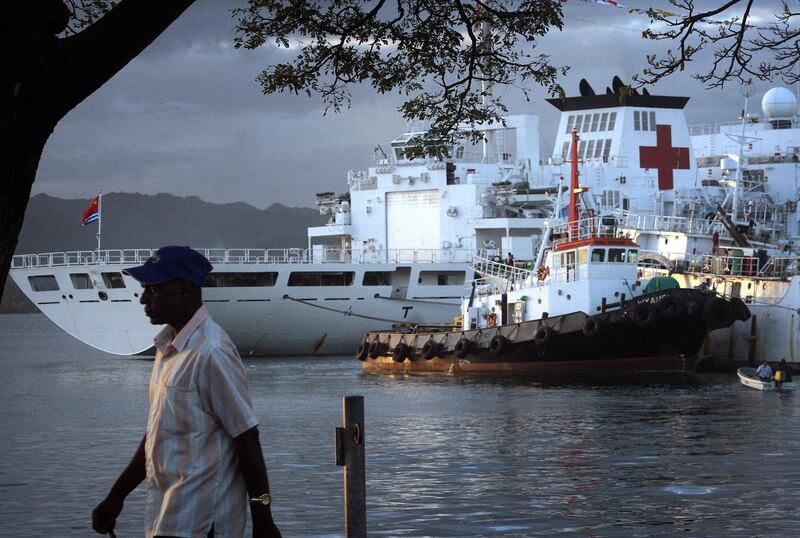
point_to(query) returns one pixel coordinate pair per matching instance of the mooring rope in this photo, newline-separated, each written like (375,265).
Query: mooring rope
(348,312)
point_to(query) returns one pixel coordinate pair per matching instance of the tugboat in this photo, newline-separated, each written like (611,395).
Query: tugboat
(582,308)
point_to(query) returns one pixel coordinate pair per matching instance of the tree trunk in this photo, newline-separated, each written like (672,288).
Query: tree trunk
(42,77)
(21,153)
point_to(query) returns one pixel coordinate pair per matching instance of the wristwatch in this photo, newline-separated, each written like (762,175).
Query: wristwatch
(264,499)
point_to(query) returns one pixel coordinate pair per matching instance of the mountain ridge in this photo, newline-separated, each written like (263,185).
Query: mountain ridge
(132,220)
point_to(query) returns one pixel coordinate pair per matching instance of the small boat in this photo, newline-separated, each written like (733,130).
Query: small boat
(748,378)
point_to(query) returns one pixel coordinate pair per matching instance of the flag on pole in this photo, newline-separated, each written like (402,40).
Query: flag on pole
(92,212)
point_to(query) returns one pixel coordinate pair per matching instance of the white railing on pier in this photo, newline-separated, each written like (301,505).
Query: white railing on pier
(219,256)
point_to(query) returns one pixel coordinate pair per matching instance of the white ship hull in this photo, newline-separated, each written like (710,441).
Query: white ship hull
(262,320)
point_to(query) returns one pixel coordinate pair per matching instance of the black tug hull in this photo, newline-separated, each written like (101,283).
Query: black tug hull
(658,332)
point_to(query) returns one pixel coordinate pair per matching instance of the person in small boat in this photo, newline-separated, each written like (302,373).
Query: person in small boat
(785,370)
(764,372)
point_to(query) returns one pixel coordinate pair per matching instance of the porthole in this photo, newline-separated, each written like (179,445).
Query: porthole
(569,297)
(70,296)
(135,294)
(103,296)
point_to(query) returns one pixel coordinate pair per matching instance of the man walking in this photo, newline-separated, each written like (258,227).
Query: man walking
(201,457)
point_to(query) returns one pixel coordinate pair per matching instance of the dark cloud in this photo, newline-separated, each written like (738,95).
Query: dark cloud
(187,117)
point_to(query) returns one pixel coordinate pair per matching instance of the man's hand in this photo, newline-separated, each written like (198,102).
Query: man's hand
(104,516)
(263,525)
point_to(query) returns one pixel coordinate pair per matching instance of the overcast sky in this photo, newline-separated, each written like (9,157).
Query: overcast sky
(186,117)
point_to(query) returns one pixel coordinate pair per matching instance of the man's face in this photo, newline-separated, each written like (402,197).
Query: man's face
(164,303)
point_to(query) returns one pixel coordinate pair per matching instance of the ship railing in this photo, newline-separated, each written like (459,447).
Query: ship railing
(663,223)
(497,270)
(220,256)
(585,228)
(746,266)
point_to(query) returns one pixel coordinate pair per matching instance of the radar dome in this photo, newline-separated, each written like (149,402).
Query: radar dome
(779,103)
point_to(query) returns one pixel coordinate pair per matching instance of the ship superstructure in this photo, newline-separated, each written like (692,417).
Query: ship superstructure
(397,244)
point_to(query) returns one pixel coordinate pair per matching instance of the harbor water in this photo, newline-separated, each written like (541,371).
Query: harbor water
(446,455)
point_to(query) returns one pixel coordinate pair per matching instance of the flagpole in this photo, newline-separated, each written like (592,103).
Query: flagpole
(99,220)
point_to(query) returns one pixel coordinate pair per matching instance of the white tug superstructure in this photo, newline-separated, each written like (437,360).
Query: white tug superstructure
(397,246)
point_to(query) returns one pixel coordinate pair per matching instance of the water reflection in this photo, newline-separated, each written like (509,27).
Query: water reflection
(446,455)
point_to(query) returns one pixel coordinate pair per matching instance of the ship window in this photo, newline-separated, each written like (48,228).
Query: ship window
(590,149)
(595,122)
(332,278)
(587,122)
(113,280)
(43,283)
(578,120)
(598,254)
(636,121)
(598,149)
(606,149)
(81,281)
(441,278)
(616,255)
(633,256)
(603,121)
(377,278)
(241,280)
(612,118)
(565,151)
(652,121)
(570,123)
(581,148)
(645,124)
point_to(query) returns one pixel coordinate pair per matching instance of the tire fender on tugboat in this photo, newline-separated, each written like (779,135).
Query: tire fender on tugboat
(375,349)
(401,352)
(430,349)
(593,326)
(671,308)
(462,347)
(718,311)
(543,335)
(363,351)
(644,314)
(740,310)
(498,344)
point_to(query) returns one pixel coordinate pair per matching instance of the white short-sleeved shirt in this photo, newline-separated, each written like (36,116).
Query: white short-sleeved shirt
(198,403)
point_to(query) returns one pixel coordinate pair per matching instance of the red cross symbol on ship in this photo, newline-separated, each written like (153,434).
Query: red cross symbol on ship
(663,157)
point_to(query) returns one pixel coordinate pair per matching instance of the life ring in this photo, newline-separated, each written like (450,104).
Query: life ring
(718,312)
(375,349)
(671,308)
(543,335)
(498,344)
(592,326)
(740,310)
(644,314)
(462,347)
(401,352)
(430,349)
(363,351)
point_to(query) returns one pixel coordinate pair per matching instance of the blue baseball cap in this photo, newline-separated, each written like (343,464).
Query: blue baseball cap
(173,263)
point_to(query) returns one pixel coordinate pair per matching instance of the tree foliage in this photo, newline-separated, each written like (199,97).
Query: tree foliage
(444,55)
(746,42)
